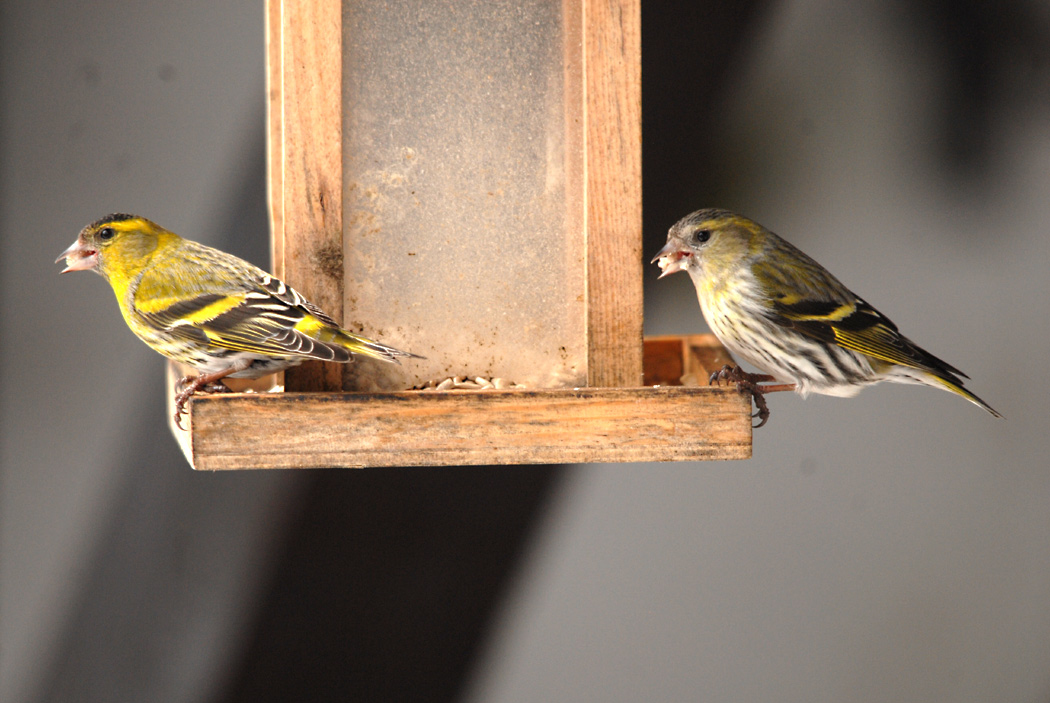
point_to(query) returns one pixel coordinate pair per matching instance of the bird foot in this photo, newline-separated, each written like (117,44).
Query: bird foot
(749,383)
(186,386)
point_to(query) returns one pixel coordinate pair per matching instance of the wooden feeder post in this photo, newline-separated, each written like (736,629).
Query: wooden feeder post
(463,181)
(466,185)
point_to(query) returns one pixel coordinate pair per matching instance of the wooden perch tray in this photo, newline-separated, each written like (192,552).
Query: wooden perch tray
(429,428)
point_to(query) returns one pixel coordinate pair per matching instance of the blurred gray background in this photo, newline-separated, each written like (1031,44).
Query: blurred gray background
(895,546)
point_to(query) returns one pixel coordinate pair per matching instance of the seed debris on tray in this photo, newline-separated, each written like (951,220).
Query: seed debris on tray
(467,383)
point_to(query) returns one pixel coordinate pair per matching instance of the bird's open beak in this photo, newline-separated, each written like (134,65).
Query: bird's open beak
(79,257)
(670,259)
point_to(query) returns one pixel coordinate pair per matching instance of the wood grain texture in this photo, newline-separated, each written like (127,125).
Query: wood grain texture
(306,189)
(613,195)
(275,135)
(414,428)
(305,72)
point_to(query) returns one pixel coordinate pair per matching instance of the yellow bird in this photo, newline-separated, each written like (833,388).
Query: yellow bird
(209,309)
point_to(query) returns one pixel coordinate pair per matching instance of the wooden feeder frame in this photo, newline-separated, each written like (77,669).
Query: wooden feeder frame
(619,417)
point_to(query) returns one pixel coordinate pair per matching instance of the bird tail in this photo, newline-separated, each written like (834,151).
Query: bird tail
(366,347)
(954,385)
(321,338)
(916,365)
(928,375)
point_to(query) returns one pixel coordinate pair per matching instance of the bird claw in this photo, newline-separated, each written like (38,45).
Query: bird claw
(723,374)
(187,386)
(745,383)
(763,409)
(180,404)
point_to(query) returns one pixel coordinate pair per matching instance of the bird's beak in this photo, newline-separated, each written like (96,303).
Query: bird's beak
(79,257)
(670,258)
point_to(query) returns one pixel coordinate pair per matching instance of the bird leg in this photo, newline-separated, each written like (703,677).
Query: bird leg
(749,382)
(188,385)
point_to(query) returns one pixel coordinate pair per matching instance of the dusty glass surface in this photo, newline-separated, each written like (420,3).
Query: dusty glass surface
(457,218)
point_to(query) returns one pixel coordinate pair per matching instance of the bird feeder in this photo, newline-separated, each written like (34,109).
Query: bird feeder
(463,180)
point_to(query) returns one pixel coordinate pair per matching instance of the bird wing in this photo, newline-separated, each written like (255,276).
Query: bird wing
(241,311)
(811,301)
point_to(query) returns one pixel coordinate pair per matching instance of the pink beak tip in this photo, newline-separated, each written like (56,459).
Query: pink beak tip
(78,258)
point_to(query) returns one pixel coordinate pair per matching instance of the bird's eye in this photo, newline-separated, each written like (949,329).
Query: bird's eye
(701,235)
(106,233)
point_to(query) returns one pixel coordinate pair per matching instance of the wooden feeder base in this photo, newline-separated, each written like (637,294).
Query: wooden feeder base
(668,422)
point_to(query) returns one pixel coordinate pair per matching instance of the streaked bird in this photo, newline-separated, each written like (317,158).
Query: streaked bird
(776,308)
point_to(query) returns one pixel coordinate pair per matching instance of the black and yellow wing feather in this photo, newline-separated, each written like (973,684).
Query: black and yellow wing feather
(809,300)
(232,305)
